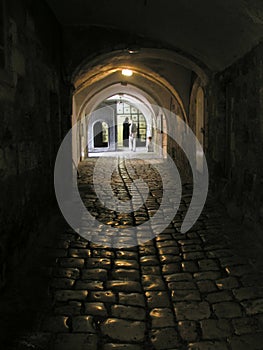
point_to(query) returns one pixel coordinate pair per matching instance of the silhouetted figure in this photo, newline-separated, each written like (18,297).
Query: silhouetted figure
(132,136)
(150,144)
(125,133)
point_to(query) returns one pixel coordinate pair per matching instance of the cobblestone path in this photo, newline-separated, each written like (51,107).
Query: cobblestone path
(176,291)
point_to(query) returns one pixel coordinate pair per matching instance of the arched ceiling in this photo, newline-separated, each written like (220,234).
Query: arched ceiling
(214,32)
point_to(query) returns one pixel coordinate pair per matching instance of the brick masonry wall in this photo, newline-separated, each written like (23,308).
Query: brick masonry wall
(235,137)
(32,123)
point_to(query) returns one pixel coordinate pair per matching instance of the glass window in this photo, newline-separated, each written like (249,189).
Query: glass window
(119,107)
(105,134)
(124,110)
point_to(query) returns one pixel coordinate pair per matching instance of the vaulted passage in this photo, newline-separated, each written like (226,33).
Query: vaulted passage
(131,175)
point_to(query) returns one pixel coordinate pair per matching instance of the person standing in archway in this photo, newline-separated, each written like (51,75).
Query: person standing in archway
(132,136)
(125,132)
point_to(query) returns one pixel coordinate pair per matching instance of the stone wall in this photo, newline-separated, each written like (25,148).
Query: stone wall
(32,123)
(235,137)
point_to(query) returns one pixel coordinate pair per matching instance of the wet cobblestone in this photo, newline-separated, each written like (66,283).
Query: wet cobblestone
(181,292)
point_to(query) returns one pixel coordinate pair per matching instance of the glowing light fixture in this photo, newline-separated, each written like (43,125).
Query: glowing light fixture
(127,72)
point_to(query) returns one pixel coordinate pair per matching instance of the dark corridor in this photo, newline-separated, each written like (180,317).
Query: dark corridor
(176,66)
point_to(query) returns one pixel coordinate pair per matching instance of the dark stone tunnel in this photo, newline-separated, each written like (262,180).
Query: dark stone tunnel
(122,273)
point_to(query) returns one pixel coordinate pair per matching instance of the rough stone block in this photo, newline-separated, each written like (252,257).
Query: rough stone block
(123,330)
(192,311)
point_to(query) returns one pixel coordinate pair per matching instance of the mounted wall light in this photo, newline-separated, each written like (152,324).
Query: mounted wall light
(127,72)
(133,49)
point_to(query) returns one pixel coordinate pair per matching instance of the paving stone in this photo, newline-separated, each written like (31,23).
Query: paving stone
(190,266)
(208,345)
(102,253)
(62,283)
(149,260)
(94,274)
(102,263)
(55,324)
(76,341)
(216,329)
(128,274)
(191,248)
(245,325)
(95,309)
(72,308)
(178,277)
(164,338)
(208,265)
(216,297)
(247,342)
(163,236)
(188,330)
(112,346)
(79,253)
(83,324)
(130,312)
(89,285)
(184,242)
(124,286)
(123,330)
(66,295)
(168,243)
(168,259)
(253,307)
(152,282)
(103,296)
(133,299)
(207,275)
(246,293)
(181,285)
(192,311)
(162,318)
(78,244)
(227,309)
(206,286)
(157,299)
(133,264)
(169,251)
(194,255)
(128,255)
(147,250)
(66,272)
(168,269)
(71,262)
(227,283)
(151,270)
(186,295)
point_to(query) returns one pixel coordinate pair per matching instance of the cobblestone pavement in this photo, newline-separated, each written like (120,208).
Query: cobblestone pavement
(176,291)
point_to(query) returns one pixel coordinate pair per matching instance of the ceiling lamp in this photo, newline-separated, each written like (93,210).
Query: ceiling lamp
(127,72)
